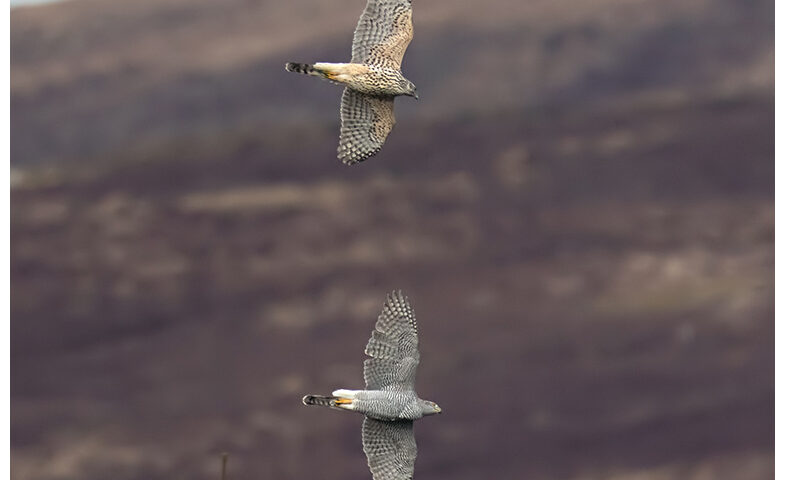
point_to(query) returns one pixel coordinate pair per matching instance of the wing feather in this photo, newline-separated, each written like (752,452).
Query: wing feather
(393,347)
(390,447)
(365,123)
(383,33)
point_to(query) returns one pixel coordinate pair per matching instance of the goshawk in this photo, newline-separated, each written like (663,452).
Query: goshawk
(389,402)
(373,77)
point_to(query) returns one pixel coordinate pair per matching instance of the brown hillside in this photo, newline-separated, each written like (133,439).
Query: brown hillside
(580,207)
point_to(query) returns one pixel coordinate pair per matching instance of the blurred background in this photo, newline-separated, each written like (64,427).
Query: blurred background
(580,208)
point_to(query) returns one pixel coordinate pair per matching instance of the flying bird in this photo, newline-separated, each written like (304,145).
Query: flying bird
(373,78)
(389,402)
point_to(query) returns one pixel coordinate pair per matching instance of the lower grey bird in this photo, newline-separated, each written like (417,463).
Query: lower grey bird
(389,402)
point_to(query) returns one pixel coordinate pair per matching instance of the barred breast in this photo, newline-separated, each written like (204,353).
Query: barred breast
(379,81)
(387,405)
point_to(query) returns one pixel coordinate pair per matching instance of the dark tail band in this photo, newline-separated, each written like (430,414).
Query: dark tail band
(303,68)
(319,400)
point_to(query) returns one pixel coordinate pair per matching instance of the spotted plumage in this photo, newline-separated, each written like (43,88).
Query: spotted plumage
(389,401)
(373,78)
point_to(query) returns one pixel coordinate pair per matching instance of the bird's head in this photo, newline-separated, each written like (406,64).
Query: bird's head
(409,89)
(429,408)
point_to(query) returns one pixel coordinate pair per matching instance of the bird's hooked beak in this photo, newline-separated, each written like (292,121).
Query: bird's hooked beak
(416,97)
(437,408)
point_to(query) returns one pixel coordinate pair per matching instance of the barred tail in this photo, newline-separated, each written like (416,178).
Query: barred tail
(319,400)
(304,68)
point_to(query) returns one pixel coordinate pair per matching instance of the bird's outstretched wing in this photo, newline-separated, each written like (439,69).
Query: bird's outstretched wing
(393,347)
(390,448)
(365,123)
(383,33)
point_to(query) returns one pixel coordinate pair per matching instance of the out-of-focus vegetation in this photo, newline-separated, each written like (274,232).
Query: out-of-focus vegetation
(580,207)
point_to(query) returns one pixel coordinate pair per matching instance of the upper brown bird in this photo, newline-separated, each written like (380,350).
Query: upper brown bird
(373,78)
